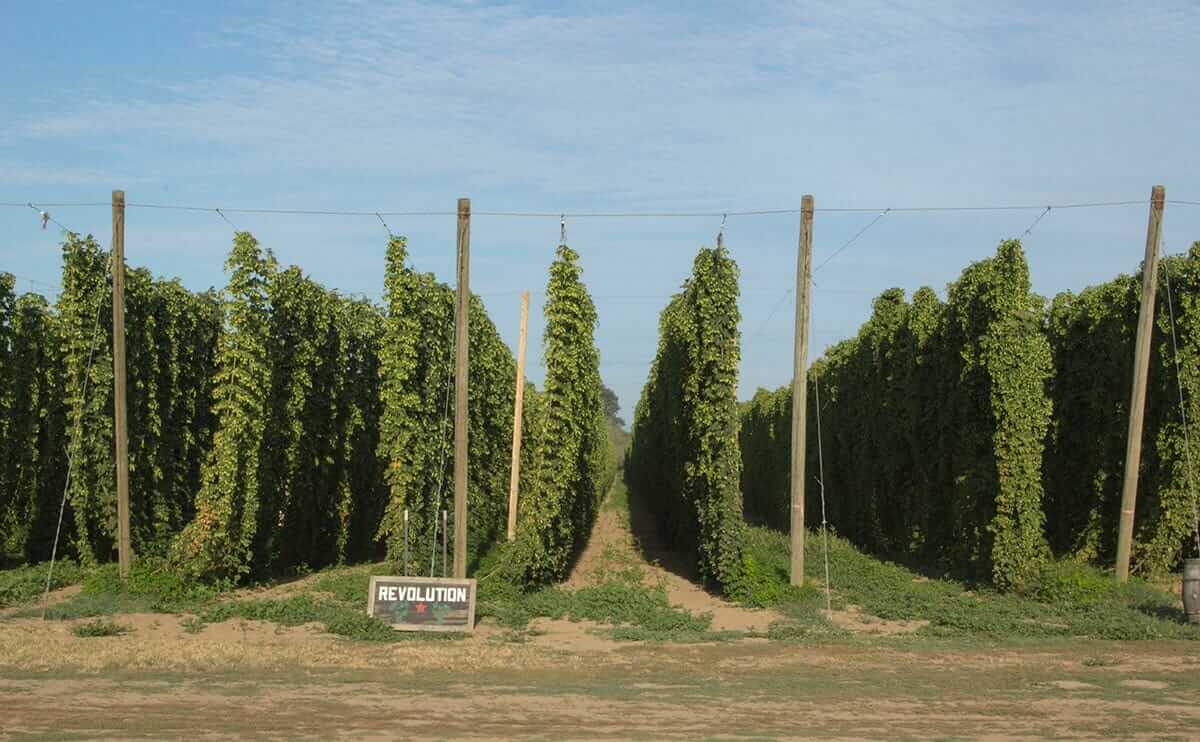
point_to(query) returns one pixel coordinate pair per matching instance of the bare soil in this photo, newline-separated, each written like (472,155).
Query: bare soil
(305,685)
(564,680)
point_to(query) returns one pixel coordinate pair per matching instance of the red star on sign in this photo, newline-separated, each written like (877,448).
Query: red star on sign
(420,607)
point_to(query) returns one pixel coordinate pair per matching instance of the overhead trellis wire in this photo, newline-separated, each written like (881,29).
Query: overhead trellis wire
(561,215)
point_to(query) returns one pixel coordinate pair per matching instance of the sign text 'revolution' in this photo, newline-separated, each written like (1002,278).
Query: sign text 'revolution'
(423,603)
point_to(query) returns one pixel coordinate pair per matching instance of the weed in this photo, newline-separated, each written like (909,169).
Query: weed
(618,496)
(686,636)
(1069,600)
(99,627)
(622,604)
(192,625)
(794,630)
(347,586)
(152,585)
(1073,584)
(335,617)
(26,584)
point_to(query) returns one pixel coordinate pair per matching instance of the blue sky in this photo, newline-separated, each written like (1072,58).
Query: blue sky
(607,106)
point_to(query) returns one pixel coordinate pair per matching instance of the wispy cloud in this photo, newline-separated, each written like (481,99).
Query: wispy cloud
(659,105)
(636,105)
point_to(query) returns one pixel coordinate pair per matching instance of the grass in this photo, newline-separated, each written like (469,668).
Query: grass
(336,599)
(618,496)
(26,584)
(1071,601)
(635,612)
(151,588)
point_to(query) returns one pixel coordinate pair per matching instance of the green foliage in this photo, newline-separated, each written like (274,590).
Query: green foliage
(85,311)
(570,469)
(417,425)
(362,493)
(1064,600)
(99,627)
(26,584)
(56,384)
(347,586)
(219,539)
(934,420)
(153,583)
(1092,336)
(292,480)
(171,340)
(765,438)
(278,426)
(334,617)
(32,459)
(1068,583)
(338,601)
(684,460)
(8,386)
(618,603)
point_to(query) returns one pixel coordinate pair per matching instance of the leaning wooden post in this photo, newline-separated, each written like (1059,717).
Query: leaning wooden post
(461,339)
(515,477)
(800,388)
(121,432)
(1141,370)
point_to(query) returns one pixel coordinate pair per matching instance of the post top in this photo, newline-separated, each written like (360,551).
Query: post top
(464,205)
(118,197)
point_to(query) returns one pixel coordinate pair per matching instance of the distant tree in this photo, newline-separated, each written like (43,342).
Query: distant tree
(612,405)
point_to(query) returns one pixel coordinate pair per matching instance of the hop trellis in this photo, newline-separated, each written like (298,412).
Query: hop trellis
(1092,334)
(279,425)
(958,432)
(568,464)
(935,422)
(683,460)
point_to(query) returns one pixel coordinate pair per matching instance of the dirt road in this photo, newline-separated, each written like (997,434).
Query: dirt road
(254,680)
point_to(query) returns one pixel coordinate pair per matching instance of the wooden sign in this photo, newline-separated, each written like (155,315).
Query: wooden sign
(423,603)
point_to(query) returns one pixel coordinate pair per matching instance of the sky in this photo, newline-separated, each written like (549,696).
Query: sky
(607,107)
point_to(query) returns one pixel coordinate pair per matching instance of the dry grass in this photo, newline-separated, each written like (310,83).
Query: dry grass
(159,642)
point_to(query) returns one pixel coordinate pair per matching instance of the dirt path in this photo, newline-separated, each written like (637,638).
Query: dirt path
(614,550)
(731,690)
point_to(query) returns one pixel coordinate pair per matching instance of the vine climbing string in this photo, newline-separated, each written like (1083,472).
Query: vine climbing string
(1187,442)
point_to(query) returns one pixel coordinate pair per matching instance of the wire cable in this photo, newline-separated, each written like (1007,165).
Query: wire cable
(36,282)
(852,240)
(87,376)
(390,235)
(231,224)
(47,217)
(1187,443)
(444,446)
(1040,216)
(821,482)
(607,214)
(59,205)
(823,263)
(763,327)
